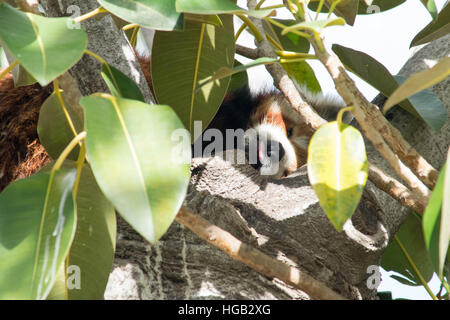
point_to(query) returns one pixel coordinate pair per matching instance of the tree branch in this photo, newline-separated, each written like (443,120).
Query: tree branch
(314,121)
(254,258)
(247,52)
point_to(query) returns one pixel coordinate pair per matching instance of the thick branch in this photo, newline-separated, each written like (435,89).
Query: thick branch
(254,258)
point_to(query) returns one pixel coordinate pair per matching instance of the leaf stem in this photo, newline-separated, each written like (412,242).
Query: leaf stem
(274,43)
(340,114)
(252,27)
(332,7)
(319,8)
(57,91)
(90,14)
(416,270)
(68,149)
(8,69)
(134,35)
(130,26)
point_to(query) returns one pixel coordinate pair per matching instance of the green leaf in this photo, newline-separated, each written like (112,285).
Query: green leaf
(290,41)
(45,47)
(374,73)
(53,129)
(444,234)
(302,72)
(316,26)
(410,236)
(92,251)
(182,60)
(431,7)
(225,72)
(120,85)
(131,146)
(337,170)
(431,221)
(217,7)
(37,224)
(154,14)
(437,28)
(419,81)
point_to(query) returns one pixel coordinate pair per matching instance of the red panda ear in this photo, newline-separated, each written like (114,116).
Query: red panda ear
(274,117)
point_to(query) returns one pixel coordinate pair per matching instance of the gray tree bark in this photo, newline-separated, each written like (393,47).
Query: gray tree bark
(282,218)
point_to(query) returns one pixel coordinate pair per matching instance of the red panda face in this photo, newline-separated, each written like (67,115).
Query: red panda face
(279,137)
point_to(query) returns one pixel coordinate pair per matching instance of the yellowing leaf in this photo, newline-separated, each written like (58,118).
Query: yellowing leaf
(337,170)
(418,82)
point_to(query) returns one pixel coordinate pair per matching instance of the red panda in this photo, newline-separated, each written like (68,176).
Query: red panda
(277,133)
(276,145)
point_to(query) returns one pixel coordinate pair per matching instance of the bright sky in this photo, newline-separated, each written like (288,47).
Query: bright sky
(386,37)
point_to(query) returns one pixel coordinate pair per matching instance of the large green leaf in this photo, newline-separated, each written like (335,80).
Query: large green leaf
(53,128)
(374,73)
(409,240)
(337,170)
(45,47)
(217,7)
(92,251)
(438,27)
(120,85)
(131,146)
(182,60)
(154,14)
(431,221)
(37,225)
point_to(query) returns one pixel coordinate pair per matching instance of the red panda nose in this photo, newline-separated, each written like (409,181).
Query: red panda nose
(268,152)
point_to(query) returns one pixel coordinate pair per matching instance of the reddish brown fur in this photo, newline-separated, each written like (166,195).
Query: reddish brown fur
(20,152)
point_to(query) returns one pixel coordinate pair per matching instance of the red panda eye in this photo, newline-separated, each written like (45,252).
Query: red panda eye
(289,132)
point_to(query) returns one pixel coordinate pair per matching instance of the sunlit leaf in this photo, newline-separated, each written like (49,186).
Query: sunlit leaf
(130,147)
(431,7)
(45,47)
(182,60)
(374,73)
(419,81)
(154,14)
(37,225)
(337,170)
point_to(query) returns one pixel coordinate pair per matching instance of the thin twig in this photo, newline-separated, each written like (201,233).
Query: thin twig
(254,258)
(247,52)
